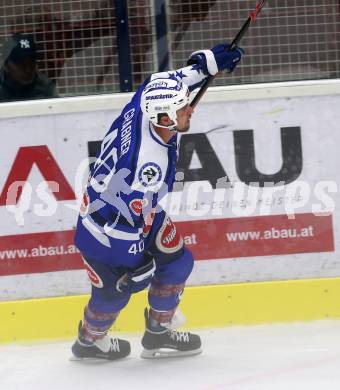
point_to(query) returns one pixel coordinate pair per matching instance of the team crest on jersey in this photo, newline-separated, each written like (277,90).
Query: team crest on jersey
(136,206)
(149,174)
(93,276)
(168,239)
(84,207)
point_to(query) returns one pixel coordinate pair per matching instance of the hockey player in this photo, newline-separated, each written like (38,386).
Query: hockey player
(127,241)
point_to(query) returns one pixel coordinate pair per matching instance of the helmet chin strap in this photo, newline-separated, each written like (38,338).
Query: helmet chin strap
(172,127)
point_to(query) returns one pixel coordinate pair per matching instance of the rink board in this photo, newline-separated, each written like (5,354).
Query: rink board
(236,234)
(204,307)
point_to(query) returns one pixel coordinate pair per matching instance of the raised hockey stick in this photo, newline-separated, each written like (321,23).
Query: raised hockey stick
(251,18)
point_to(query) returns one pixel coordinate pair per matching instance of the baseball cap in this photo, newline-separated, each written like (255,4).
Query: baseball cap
(18,47)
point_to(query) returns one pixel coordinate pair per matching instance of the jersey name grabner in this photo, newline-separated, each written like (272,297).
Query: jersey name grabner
(131,174)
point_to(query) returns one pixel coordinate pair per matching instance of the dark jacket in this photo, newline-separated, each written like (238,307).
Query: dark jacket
(10,90)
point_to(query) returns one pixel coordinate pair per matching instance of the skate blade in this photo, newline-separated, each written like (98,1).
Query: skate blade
(167,353)
(91,360)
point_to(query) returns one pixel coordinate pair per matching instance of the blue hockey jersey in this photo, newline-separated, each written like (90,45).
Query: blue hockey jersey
(133,171)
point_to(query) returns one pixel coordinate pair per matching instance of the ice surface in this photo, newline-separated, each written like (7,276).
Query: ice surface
(269,357)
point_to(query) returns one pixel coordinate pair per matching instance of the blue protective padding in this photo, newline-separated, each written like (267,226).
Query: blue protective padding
(107,299)
(174,273)
(177,271)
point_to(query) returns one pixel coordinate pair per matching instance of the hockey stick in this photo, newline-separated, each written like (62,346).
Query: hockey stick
(251,18)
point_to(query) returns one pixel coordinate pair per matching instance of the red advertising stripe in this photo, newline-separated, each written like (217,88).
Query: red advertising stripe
(38,252)
(208,239)
(258,236)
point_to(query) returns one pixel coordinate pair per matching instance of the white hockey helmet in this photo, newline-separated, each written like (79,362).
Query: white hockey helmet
(164,96)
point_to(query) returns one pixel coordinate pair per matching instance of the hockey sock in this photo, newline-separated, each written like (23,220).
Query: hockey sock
(163,299)
(96,324)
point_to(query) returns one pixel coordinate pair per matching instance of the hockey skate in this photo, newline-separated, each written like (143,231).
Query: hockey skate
(106,348)
(161,342)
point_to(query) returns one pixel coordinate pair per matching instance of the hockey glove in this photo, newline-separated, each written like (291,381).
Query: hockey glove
(138,279)
(217,59)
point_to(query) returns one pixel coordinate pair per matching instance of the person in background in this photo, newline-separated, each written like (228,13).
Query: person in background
(20,78)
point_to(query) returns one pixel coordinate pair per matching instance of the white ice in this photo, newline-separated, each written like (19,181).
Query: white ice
(268,357)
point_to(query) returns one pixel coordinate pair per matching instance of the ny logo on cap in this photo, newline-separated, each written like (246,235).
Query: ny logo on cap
(24,43)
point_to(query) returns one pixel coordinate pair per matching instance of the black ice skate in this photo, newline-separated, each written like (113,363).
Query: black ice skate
(106,348)
(161,342)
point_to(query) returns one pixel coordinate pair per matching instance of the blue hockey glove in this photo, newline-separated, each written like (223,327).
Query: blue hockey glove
(138,279)
(217,59)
